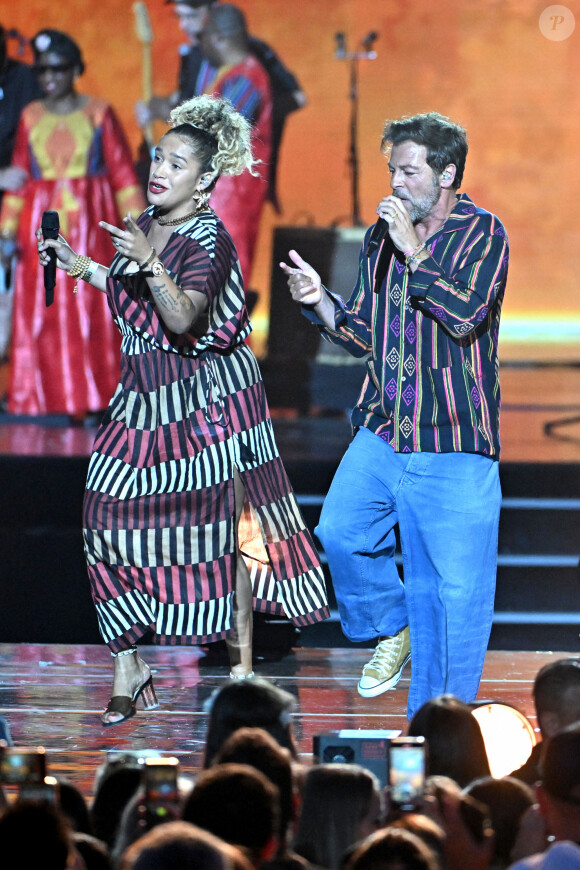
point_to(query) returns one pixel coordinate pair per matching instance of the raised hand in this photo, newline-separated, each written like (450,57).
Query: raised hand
(303,281)
(130,241)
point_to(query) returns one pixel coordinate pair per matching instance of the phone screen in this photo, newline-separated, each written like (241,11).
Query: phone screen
(43,792)
(18,765)
(407,767)
(161,788)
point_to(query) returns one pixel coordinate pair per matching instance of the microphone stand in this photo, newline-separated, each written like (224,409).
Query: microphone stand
(353,160)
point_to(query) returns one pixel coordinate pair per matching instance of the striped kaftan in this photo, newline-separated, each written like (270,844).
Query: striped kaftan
(159,504)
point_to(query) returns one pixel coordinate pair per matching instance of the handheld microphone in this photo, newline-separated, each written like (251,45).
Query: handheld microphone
(340,39)
(380,230)
(50,228)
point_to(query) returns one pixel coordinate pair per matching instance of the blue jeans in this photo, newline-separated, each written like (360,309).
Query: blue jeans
(447,507)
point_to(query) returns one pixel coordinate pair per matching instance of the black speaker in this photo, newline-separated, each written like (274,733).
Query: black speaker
(294,344)
(367,748)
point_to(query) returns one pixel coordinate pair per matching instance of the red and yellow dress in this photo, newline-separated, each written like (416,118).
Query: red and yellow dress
(65,358)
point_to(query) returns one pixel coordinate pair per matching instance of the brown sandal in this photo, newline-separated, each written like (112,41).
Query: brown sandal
(127,706)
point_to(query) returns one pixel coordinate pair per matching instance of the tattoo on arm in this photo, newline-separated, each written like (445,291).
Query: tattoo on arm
(166,300)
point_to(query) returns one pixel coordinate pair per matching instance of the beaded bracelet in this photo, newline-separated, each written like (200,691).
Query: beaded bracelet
(82,269)
(411,257)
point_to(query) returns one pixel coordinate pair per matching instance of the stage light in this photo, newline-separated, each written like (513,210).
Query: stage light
(508,736)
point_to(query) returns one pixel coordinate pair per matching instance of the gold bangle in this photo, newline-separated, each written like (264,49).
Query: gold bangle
(149,260)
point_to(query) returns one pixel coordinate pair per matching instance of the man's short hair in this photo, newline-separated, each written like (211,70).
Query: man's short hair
(560,765)
(236,803)
(227,20)
(445,141)
(557,689)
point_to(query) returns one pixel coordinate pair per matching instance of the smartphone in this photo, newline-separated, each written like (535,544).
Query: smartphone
(407,760)
(20,764)
(162,799)
(41,792)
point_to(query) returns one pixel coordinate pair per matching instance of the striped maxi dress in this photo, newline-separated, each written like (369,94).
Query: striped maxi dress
(159,504)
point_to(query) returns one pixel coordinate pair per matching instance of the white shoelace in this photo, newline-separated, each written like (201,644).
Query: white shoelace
(386,653)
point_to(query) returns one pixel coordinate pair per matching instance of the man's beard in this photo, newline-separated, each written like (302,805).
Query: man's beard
(420,208)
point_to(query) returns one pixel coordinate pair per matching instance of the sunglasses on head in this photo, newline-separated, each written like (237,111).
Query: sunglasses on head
(42,68)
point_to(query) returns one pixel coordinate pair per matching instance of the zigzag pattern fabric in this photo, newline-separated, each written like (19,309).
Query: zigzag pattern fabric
(188,412)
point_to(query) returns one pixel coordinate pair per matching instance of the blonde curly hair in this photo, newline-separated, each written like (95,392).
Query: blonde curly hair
(219,135)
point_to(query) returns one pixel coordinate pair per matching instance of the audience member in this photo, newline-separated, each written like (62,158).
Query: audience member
(115,785)
(258,749)
(35,835)
(137,817)
(74,806)
(241,806)
(341,804)
(507,800)
(393,849)
(454,738)
(427,830)
(254,703)
(558,816)
(556,695)
(468,840)
(93,852)
(182,846)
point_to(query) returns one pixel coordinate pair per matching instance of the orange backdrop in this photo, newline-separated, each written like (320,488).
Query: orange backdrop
(486,63)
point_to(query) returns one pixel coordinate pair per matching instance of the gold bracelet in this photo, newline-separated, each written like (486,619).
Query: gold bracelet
(82,269)
(149,260)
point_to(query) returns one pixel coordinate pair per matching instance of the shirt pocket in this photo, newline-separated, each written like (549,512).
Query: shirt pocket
(450,388)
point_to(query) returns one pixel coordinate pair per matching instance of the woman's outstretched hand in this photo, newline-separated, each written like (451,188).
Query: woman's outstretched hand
(130,240)
(65,256)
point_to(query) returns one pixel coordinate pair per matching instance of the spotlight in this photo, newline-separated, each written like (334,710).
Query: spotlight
(508,736)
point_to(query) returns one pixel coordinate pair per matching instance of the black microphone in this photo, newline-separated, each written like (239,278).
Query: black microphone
(340,45)
(380,230)
(50,228)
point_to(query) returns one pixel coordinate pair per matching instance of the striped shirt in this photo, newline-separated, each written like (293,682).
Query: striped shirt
(431,380)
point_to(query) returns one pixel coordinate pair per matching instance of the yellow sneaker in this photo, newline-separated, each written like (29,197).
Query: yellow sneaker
(386,666)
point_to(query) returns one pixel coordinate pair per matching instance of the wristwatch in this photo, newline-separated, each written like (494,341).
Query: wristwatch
(157,268)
